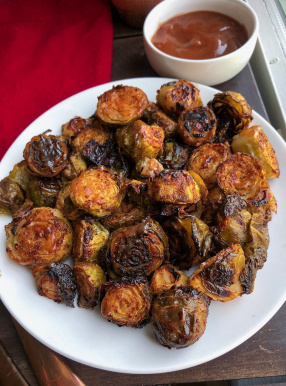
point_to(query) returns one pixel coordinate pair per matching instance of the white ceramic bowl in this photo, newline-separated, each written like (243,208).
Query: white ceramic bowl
(209,71)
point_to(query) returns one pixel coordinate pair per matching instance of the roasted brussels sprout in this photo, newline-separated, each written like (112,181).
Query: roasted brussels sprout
(75,125)
(205,160)
(89,277)
(165,277)
(127,214)
(219,276)
(100,135)
(232,108)
(178,96)
(97,191)
(89,237)
(254,142)
(179,317)
(214,201)
(139,249)
(174,155)
(44,236)
(243,175)
(46,155)
(176,187)
(197,126)
(233,229)
(56,282)
(11,196)
(107,155)
(190,241)
(65,204)
(21,175)
(121,105)
(140,140)
(169,126)
(148,167)
(126,302)
(44,191)
(76,165)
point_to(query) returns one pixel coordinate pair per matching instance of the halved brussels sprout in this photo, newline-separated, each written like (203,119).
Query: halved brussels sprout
(243,175)
(46,155)
(178,96)
(214,201)
(21,175)
(197,126)
(176,187)
(206,159)
(89,237)
(44,191)
(121,105)
(165,277)
(75,166)
(127,214)
(75,125)
(190,241)
(89,277)
(126,302)
(232,107)
(179,317)
(148,167)
(219,276)
(11,196)
(138,249)
(140,140)
(44,236)
(56,282)
(100,135)
(169,126)
(253,141)
(174,155)
(97,191)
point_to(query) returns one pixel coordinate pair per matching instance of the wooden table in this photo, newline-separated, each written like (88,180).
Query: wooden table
(263,355)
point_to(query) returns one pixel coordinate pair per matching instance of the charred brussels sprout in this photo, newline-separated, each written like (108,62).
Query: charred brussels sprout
(97,191)
(174,155)
(190,241)
(75,125)
(46,155)
(11,196)
(178,96)
(243,175)
(197,126)
(56,282)
(89,277)
(219,276)
(44,236)
(127,214)
(253,141)
(100,135)
(21,175)
(179,317)
(126,302)
(206,159)
(232,108)
(139,249)
(140,140)
(89,237)
(121,105)
(65,204)
(44,191)
(176,187)
(166,277)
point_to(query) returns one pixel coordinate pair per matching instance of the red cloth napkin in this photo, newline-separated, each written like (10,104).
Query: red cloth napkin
(49,50)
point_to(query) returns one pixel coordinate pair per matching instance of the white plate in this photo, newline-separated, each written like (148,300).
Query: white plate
(85,336)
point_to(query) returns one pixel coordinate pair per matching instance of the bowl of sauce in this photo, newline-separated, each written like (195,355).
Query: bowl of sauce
(204,41)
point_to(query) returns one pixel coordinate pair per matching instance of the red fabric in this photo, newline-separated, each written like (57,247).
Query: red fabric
(49,50)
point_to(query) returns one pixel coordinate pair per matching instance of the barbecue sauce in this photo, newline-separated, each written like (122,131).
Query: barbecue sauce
(199,35)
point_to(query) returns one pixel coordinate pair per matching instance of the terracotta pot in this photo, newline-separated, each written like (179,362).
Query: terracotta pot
(134,12)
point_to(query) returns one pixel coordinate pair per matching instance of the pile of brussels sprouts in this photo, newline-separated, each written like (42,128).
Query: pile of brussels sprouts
(140,194)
